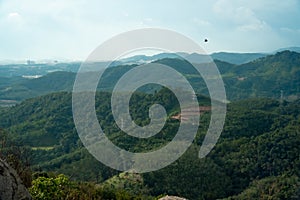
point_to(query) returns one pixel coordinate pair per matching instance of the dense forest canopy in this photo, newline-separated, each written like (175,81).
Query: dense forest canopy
(256,157)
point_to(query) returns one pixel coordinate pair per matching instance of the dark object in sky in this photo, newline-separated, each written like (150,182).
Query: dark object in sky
(205,40)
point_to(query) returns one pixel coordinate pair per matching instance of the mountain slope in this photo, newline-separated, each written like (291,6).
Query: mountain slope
(295,49)
(272,76)
(237,58)
(28,88)
(259,140)
(266,77)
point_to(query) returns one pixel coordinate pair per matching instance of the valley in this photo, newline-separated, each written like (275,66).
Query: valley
(256,155)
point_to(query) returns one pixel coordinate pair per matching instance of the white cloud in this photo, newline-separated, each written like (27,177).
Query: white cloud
(248,21)
(226,6)
(244,18)
(73,28)
(200,22)
(14,15)
(258,26)
(13,21)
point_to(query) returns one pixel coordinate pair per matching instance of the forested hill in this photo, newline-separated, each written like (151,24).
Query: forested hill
(270,76)
(256,157)
(237,58)
(18,88)
(257,154)
(273,76)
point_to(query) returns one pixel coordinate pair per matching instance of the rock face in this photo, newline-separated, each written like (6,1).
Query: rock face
(11,187)
(171,198)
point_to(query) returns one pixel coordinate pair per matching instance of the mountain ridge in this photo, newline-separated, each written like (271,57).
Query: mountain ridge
(263,77)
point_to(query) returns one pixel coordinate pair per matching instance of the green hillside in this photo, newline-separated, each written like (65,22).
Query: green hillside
(266,77)
(273,76)
(22,88)
(256,157)
(259,147)
(237,58)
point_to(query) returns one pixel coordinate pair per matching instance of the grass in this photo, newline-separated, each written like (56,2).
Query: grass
(42,148)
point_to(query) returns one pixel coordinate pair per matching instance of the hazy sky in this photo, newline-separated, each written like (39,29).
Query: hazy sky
(71,29)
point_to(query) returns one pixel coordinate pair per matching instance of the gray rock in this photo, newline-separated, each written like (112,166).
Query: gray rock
(11,186)
(172,198)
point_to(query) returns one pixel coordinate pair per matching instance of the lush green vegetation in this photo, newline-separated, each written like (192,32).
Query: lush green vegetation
(237,58)
(269,76)
(256,156)
(274,187)
(31,69)
(56,187)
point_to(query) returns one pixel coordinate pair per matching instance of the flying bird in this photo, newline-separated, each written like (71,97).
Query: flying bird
(205,40)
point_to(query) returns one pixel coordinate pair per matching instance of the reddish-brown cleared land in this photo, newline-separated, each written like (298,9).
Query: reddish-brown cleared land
(187,113)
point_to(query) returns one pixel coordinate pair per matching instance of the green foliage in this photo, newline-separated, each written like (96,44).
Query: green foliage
(237,58)
(258,147)
(257,156)
(60,187)
(190,177)
(273,187)
(27,88)
(263,77)
(131,182)
(51,188)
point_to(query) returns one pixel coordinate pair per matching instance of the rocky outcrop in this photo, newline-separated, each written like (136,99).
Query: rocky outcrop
(11,187)
(171,198)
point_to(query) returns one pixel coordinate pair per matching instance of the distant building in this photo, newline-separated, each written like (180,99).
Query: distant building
(30,62)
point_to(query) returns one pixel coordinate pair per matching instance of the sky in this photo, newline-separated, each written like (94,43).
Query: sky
(72,29)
